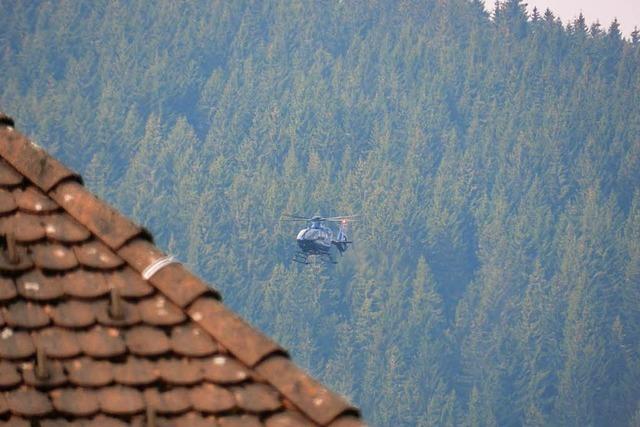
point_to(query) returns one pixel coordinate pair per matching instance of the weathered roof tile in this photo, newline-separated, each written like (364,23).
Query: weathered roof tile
(147,341)
(231,331)
(7,202)
(53,256)
(288,419)
(135,372)
(222,369)
(73,314)
(239,421)
(28,227)
(34,285)
(159,311)
(181,372)
(257,398)
(102,342)
(85,284)
(33,200)
(101,219)
(128,282)
(28,402)
(191,340)
(55,377)
(128,317)
(173,401)
(58,342)
(314,399)
(9,376)
(25,315)
(75,401)
(8,175)
(95,254)
(15,345)
(7,289)
(86,372)
(211,398)
(62,227)
(32,161)
(119,400)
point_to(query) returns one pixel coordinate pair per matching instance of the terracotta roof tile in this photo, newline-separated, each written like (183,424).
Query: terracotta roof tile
(29,402)
(288,419)
(85,284)
(7,202)
(257,398)
(102,342)
(180,372)
(8,175)
(55,375)
(159,311)
(86,372)
(223,369)
(129,283)
(34,285)
(33,200)
(128,317)
(15,345)
(239,421)
(25,315)
(315,400)
(58,342)
(210,398)
(180,286)
(78,402)
(147,341)
(9,376)
(95,254)
(25,262)
(113,347)
(135,372)
(194,419)
(191,340)
(102,220)
(63,228)
(52,256)
(28,227)
(174,401)
(32,161)
(7,289)
(73,314)
(119,400)
(231,331)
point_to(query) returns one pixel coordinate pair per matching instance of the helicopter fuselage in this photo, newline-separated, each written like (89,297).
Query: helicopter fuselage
(315,239)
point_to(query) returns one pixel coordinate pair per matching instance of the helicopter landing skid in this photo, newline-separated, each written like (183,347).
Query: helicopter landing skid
(303,258)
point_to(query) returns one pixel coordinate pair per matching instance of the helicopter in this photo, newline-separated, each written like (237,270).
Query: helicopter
(318,239)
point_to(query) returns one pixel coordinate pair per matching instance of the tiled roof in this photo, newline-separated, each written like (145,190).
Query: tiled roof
(86,340)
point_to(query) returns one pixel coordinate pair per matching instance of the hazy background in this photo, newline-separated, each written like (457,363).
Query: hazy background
(627,12)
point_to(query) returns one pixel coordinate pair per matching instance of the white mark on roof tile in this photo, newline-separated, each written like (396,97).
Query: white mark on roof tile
(196,331)
(32,286)
(38,206)
(92,251)
(68,197)
(241,375)
(59,252)
(50,229)
(160,302)
(318,401)
(26,366)
(197,316)
(219,360)
(6,333)
(113,332)
(104,258)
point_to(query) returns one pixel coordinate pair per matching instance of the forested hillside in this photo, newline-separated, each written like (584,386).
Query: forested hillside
(494,160)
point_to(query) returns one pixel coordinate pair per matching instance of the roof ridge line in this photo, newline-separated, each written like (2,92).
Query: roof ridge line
(200,302)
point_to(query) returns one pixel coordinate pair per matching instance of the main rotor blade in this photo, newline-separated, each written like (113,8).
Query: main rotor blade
(340,218)
(297,217)
(294,219)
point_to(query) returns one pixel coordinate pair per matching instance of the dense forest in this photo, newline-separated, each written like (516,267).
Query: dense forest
(494,159)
